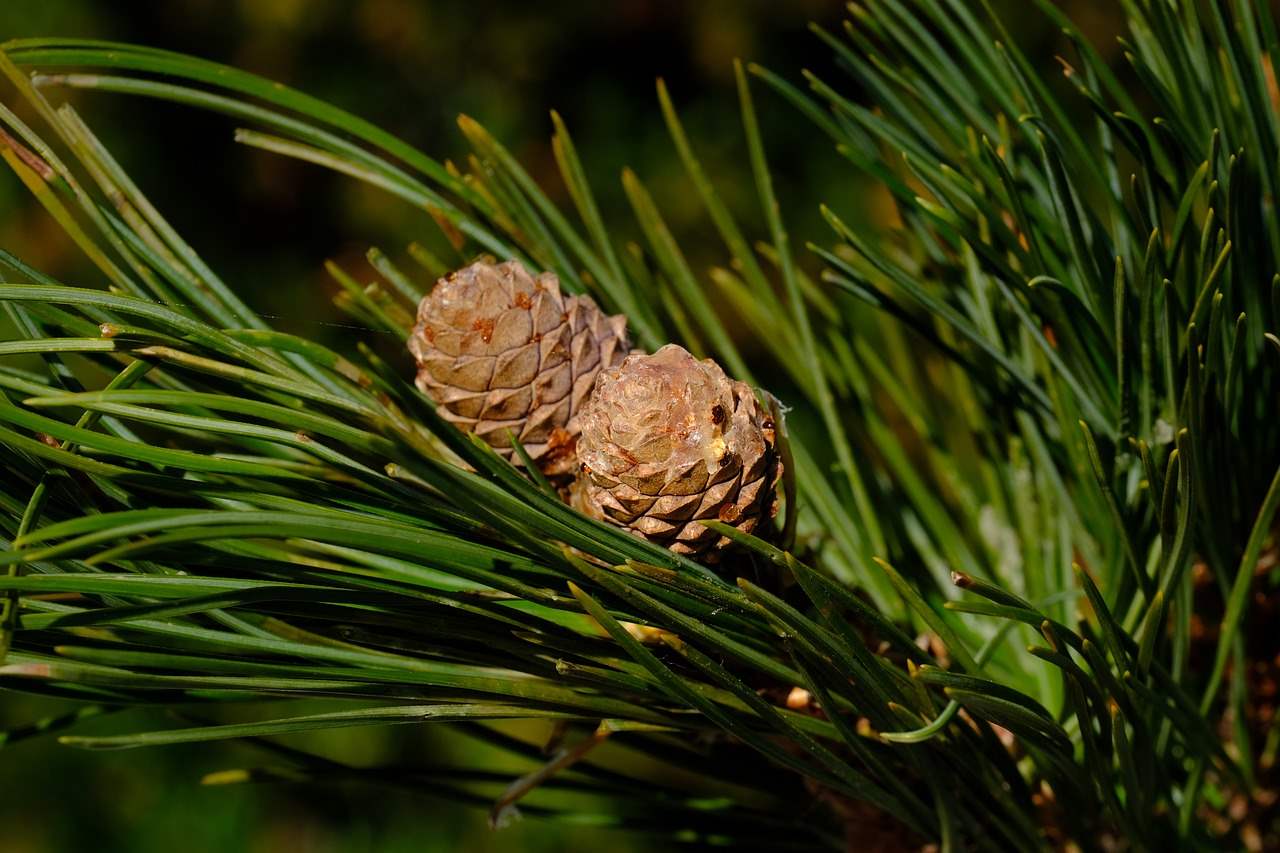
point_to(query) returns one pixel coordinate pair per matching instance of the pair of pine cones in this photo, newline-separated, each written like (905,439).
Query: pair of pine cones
(650,443)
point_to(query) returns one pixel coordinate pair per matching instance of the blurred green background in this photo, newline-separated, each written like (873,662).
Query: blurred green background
(267,224)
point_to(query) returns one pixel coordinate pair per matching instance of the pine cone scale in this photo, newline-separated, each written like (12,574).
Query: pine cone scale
(517,367)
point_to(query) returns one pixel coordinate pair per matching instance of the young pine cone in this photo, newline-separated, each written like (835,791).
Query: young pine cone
(668,440)
(498,350)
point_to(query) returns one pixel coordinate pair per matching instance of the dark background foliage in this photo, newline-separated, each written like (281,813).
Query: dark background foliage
(267,223)
(412,67)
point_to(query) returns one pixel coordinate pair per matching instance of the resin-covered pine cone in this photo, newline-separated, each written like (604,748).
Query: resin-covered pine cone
(668,440)
(498,350)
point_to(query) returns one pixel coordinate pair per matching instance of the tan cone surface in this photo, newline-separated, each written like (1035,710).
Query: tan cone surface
(498,349)
(667,440)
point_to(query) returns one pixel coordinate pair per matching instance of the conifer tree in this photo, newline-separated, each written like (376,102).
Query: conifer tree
(1009,460)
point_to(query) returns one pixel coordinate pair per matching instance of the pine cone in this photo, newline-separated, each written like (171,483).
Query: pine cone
(668,440)
(498,349)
